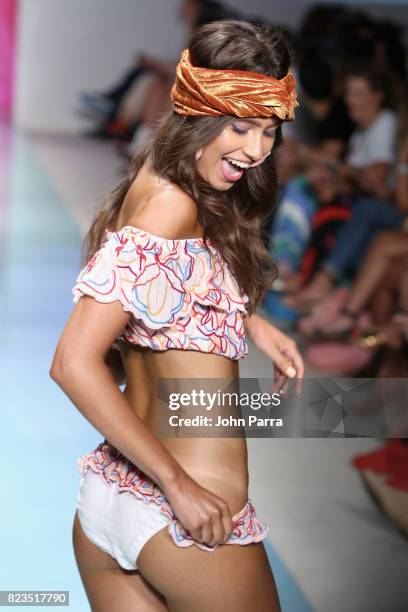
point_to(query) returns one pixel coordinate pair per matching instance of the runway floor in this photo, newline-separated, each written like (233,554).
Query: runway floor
(330,548)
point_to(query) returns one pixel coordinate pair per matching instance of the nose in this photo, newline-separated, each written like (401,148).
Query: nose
(253,146)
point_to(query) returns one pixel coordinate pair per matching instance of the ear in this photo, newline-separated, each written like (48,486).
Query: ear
(198,154)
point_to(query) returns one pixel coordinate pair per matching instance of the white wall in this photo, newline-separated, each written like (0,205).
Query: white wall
(68,46)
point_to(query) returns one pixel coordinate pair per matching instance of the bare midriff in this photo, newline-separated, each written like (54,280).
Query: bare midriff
(216,463)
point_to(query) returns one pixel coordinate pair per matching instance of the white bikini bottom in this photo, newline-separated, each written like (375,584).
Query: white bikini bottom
(119,524)
(120,509)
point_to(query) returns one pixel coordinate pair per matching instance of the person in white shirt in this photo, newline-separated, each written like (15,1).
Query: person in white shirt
(365,177)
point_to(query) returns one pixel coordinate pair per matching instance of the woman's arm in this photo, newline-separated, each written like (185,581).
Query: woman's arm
(370,178)
(281,349)
(80,369)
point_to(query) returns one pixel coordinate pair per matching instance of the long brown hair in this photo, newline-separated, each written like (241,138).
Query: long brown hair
(233,220)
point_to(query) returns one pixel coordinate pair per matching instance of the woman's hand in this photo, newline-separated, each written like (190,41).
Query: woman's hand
(205,515)
(281,349)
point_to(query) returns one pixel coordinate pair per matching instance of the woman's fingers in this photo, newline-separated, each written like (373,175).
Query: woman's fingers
(280,383)
(218,531)
(283,363)
(290,363)
(206,534)
(218,526)
(299,366)
(227,523)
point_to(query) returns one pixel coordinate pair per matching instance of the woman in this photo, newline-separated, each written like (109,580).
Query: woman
(153,283)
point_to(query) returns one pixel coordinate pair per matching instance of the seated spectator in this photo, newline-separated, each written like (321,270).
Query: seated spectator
(320,133)
(380,274)
(322,126)
(364,177)
(126,111)
(380,271)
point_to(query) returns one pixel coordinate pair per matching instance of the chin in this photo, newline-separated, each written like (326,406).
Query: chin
(224,187)
(220,186)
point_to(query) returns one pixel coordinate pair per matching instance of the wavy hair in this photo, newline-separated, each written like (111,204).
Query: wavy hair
(233,220)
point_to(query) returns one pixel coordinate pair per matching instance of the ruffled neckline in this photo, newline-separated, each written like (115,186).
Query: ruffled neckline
(137,230)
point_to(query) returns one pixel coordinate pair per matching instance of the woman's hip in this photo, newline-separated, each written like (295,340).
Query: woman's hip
(120,509)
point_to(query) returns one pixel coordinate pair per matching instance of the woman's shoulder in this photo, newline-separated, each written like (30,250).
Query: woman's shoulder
(166,211)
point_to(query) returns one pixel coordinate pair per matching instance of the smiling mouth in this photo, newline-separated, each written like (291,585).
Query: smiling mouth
(231,172)
(237,163)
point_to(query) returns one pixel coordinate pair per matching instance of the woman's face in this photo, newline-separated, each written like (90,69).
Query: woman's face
(363,103)
(246,141)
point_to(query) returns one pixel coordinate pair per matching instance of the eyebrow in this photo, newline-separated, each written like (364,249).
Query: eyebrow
(255,122)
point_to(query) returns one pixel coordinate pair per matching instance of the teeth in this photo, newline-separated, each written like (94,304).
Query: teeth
(238,163)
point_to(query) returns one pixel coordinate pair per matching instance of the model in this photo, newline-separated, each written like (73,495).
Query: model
(176,267)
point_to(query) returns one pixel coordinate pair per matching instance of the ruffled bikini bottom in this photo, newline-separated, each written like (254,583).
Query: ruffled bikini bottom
(120,523)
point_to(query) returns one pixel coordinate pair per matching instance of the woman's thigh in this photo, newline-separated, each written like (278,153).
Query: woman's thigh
(107,585)
(233,577)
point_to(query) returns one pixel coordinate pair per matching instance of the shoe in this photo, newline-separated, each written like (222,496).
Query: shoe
(376,460)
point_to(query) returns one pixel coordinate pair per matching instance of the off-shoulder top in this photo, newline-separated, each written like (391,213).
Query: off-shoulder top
(180,292)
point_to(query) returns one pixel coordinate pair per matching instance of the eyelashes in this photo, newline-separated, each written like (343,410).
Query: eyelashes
(241,132)
(271,135)
(237,130)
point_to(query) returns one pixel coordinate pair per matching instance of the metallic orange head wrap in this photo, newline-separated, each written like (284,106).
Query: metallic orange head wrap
(203,91)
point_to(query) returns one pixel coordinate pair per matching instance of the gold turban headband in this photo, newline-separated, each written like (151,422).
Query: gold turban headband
(203,91)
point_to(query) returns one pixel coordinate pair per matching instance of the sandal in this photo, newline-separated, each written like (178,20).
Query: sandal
(371,338)
(374,337)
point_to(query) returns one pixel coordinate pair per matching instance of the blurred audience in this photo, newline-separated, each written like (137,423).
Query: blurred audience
(323,125)
(340,233)
(328,190)
(363,181)
(127,111)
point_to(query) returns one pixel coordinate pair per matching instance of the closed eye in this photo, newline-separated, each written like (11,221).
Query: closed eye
(270,134)
(238,130)
(241,132)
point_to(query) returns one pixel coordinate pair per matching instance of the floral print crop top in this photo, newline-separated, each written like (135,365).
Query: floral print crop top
(181,293)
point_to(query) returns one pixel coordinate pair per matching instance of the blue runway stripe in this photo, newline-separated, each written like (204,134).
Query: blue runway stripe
(292,598)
